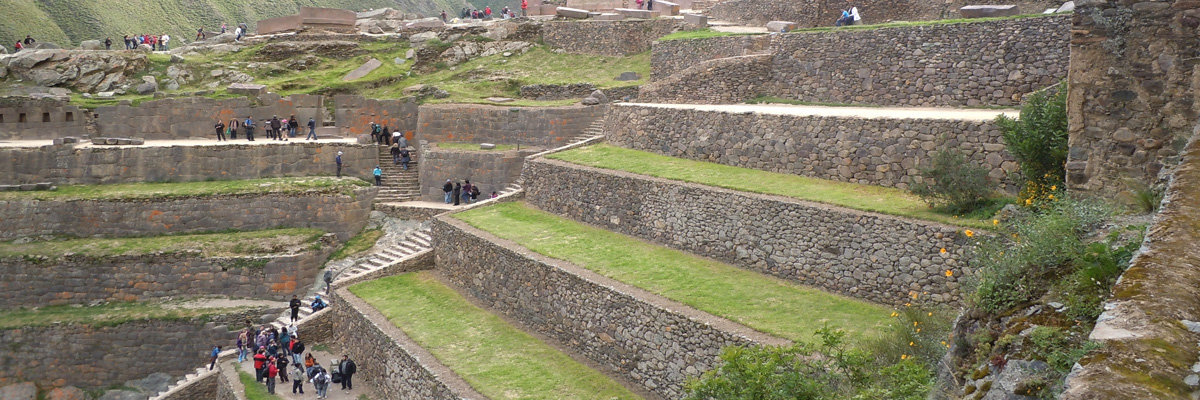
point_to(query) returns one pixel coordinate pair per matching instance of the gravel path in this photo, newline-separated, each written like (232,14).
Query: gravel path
(968,114)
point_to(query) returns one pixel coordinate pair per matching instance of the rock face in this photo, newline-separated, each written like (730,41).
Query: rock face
(20,391)
(85,71)
(989,11)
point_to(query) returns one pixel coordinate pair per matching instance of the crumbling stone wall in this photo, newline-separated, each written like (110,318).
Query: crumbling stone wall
(879,151)
(35,281)
(651,341)
(328,210)
(24,118)
(673,56)
(97,165)
(354,115)
(96,357)
(720,81)
(527,126)
(490,170)
(1131,103)
(811,13)
(194,117)
(607,38)
(859,254)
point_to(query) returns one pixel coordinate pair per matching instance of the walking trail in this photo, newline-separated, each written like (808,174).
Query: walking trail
(964,114)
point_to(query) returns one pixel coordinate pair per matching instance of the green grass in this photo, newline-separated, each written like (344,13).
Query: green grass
(361,242)
(474,147)
(701,34)
(255,390)
(158,190)
(221,244)
(879,199)
(759,301)
(100,315)
(497,359)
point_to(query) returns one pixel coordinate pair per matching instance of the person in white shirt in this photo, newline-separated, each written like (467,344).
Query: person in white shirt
(855,18)
(166,39)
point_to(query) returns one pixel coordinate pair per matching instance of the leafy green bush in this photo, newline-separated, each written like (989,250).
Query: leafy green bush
(1038,140)
(952,183)
(916,334)
(1098,267)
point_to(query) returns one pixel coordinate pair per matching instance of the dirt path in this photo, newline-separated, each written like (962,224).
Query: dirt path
(180,142)
(284,390)
(966,114)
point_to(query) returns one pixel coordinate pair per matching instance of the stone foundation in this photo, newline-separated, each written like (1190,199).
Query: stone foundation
(490,170)
(527,126)
(194,117)
(719,81)
(607,38)
(22,118)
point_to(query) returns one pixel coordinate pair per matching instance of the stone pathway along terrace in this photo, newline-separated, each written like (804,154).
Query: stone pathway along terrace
(169,143)
(963,114)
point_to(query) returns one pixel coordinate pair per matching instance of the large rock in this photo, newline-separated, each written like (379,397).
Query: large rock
(44,46)
(147,88)
(153,383)
(144,48)
(781,26)
(629,76)
(431,22)
(635,13)
(19,391)
(422,37)
(696,20)
(247,89)
(224,38)
(666,7)
(362,70)
(572,13)
(91,45)
(598,95)
(989,11)
(66,393)
(1067,7)
(123,395)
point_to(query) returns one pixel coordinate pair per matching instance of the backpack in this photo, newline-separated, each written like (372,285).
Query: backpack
(322,378)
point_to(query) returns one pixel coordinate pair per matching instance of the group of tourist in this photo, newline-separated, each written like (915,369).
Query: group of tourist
(156,42)
(486,12)
(849,15)
(22,44)
(462,192)
(276,356)
(277,129)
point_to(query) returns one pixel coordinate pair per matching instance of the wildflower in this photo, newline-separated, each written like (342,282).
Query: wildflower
(949,273)
(969,233)
(930,313)
(1054,187)
(895,314)
(995,222)
(943,251)
(915,323)
(904,356)
(913,294)
(918,330)
(911,344)
(1051,197)
(1028,202)
(907,304)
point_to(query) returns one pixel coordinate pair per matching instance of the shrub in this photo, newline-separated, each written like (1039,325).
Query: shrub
(1038,140)
(1097,268)
(953,183)
(916,334)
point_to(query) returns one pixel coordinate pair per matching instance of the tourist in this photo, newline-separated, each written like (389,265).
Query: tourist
(338,160)
(328,282)
(285,344)
(397,136)
(457,192)
(855,19)
(272,372)
(237,34)
(395,151)
(29,41)
(272,346)
(223,27)
(216,352)
(405,158)
(260,361)
(347,368)
(200,33)
(243,340)
(309,362)
(312,129)
(295,305)
(650,5)
(18,47)
(487,12)
(374,131)
(108,43)
(297,350)
(378,176)
(446,189)
(524,8)
(386,135)
(248,124)
(285,126)
(466,192)
(297,376)
(474,193)
(233,128)
(495,195)
(220,127)
(444,20)
(321,382)
(166,39)
(318,303)
(293,126)
(275,126)
(281,363)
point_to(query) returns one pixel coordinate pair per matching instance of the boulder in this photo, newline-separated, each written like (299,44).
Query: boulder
(176,59)
(44,46)
(666,7)
(1014,374)
(988,11)
(635,13)
(781,26)
(629,76)
(410,54)
(487,146)
(19,391)
(146,88)
(91,45)
(144,48)
(696,20)
(362,70)
(224,38)
(3,50)
(1067,7)
(149,79)
(105,95)
(66,393)
(572,13)
(590,101)
(598,95)
(431,22)
(422,38)
(247,89)
(153,383)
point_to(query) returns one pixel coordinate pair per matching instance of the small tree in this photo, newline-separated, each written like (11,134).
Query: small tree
(952,183)
(1038,139)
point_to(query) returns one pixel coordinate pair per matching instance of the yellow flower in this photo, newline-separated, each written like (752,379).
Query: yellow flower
(995,222)
(930,314)
(1055,187)
(915,323)
(895,314)
(1028,202)
(969,233)
(912,344)
(1051,197)
(904,356)
(949,273)
(913,294)
(918,330)
(907,304)
(943,250)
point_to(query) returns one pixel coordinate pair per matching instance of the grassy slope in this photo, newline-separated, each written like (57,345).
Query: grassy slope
(270,241)
(851,195)
(759,301)
(361,242)
(100,315)
(494,357)
(187,189)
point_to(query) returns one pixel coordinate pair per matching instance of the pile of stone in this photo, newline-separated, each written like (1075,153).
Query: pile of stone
(65,140)
(111,141)
(28,187)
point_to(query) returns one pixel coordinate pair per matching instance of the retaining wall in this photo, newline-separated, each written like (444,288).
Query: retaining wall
(607,38)
(672,56)
(34,281)
(194,117)
(878,151)
(24,118)
(642,337)
(490,170)
(810,13)
(123,164)
(719,81)
(387,358)
(328,210)
(864,255)
(527,126)
(354,115)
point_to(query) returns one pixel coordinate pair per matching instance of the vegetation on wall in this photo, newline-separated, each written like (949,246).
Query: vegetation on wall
(1038,140)
(952,183)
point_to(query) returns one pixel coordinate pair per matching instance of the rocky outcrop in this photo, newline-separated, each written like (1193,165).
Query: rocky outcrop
(85,71)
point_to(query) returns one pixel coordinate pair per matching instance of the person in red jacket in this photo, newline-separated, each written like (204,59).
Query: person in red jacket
(524,8)
(260,360)
(487,12)
(272,372)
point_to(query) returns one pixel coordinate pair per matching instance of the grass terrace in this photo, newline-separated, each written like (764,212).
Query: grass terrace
(103,315)
(161,190)
(475,147)
(219,244)
(878,199)
(497,359)
(358,244)
(765,303)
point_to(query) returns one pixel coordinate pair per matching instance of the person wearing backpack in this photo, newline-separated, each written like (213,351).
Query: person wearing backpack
(405,158)
(297,350)
(297,376)
(378,176)
(312,129)
(260,361)
(321,382)
(249,125)
(347,368)
(295,306)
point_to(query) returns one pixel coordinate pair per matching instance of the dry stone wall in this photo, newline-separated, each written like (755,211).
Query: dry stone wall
(673,56)
(607,38)
(644,338)
(22,118)
(864,255)
(97,165)
(811,13)
(527,126)
(194,117)
(328,210)
(489,170)
(880,151)
(719,81)
(354,115)
(35,281)
(1131,99)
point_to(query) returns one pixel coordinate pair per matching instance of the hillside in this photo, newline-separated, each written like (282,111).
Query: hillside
(68,22)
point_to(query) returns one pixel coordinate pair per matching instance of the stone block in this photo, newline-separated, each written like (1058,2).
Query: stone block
(1067,7)
(431,22)
(781,26)
(572,13)
(110,141)
(666,7)
(635,13)
(137,141)
(988,11)
(251,89)
(487,146)
(98,141)
(609,17)
(629,76)
(696,20)
(362,70)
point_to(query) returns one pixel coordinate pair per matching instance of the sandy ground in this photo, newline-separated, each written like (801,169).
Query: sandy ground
(966,114)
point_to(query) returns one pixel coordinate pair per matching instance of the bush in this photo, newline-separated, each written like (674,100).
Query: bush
(1097,268)
(1038,139)
(953,183)
(916,334)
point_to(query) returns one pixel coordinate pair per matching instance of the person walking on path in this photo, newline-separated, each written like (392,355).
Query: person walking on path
(295,305)
(457,192)
(249,126)
(855,19)
(233,128)
(281,364)
(321,382)
(466,192)
(272,372)
(405,158)
(312,129)
(378,176)
(395,150)
(220,127)
(260,361)
(524,8)
(276,127)
(297,376)
(216,352)
(200,33)
(293,126)
(447,188)
(166,39)
(338,160)
(347,368)
(108,43)
(29,41)
(328,282)
(401,140)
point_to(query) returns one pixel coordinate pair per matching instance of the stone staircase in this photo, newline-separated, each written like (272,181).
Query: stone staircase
(398,185)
